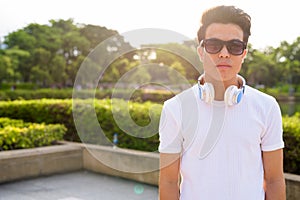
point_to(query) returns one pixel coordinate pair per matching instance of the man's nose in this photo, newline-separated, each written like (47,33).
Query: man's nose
(224,53)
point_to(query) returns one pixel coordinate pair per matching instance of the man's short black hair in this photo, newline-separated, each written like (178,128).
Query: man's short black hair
(225,15)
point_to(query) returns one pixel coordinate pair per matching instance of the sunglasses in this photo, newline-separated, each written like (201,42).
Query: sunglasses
(213,46)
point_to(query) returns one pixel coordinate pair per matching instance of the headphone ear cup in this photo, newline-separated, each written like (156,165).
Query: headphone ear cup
(206,92)
(233,95)
(201,91)
(209,92)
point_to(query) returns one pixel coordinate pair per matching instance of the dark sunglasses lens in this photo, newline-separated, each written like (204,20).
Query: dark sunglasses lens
(213,46)
(235,47)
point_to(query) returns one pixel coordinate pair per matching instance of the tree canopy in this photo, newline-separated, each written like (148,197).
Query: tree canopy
(51,55)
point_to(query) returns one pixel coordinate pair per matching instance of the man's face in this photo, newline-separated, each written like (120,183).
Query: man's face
(222,65)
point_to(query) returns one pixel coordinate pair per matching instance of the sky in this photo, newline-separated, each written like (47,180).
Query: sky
(272,21)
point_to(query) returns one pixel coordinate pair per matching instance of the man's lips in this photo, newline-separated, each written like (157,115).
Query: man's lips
(223,66)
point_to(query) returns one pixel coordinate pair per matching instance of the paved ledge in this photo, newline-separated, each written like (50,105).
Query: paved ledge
(292,177)
(80,185)
(130,164)
(69,156)
(28,163)
(293,186)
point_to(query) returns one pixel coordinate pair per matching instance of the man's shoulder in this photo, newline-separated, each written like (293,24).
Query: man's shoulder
(258,96)
(186,96)
(257,93)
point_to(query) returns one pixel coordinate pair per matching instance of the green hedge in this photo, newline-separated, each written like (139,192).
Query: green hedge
(137,96)
(42,111)
(4,122)
(51,111)
(20,94)
(23,86)
(60,111)
(291,128)
(16,134)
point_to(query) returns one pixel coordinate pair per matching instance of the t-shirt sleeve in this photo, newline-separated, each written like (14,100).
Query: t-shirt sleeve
(169,131)
(272,139)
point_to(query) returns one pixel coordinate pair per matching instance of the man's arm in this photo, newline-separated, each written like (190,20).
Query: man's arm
(169,176)
(274,182)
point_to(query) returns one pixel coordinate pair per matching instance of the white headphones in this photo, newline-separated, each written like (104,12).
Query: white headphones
(233,95)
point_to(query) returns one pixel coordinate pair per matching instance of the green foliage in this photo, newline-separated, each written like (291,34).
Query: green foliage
(50,54)
(180,57)
(135,123)
(4,121)
(41,111)
(273,66)
(19,86)
(138,95)
(34,94)
(16,134)
(60,111)
(291,128)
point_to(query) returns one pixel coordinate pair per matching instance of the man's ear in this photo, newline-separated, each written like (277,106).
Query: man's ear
(244,55)
(200,53)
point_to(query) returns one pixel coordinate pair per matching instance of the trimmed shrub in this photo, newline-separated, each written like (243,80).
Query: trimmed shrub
(15,134)
(291,128)
(52,111)
(48,111)
(4,121)
(136,124)
(138,96)
(24,86)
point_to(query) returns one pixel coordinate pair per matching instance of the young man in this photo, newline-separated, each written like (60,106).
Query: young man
(221,139)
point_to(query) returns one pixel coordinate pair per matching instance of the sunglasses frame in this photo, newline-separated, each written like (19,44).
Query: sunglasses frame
(228,45)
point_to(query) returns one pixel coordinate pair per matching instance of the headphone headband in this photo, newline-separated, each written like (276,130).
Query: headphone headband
(243,85)
(232,96)
(241,81)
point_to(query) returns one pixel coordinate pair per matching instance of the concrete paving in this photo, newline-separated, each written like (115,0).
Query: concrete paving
(81,185)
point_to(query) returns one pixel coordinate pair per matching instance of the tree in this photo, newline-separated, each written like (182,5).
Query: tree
(176,70)
(138,76)
(40,76)
(52,54)
(20,39)
(57,70)
(288,57)
(184,53)
(96,34)
(6,69)
(18,60)
(260,67)
(46,37)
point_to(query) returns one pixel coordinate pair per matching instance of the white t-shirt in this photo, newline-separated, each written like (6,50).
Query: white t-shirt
(221,145)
